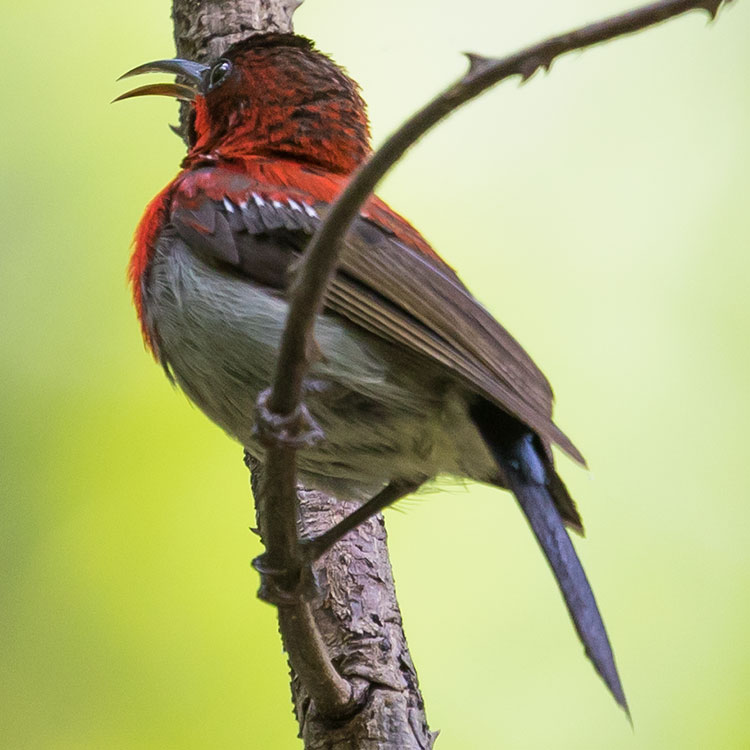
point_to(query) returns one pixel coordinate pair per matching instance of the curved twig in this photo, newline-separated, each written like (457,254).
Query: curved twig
(319,261)
(283,404)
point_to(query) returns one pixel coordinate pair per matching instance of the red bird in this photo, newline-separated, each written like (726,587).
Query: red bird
(415,379)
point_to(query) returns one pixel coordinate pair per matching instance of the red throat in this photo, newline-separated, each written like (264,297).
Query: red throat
(304,134)
(147,233)
(284,100)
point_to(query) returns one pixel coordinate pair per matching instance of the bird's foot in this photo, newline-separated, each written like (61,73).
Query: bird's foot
(286,588)
(314,547)
(296,430)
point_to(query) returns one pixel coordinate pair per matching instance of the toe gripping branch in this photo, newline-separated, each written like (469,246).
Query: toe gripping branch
(282,587)
(297,430)
(285,587)
(283,584)
(286,568)
(312,549)
(286,578)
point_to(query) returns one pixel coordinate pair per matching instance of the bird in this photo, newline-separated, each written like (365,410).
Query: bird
(412,380)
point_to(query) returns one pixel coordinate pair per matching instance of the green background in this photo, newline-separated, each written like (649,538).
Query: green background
(601,212)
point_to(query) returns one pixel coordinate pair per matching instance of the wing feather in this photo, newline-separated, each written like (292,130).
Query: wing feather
(383,285)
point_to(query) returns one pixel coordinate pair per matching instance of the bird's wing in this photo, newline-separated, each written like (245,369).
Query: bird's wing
(389,282)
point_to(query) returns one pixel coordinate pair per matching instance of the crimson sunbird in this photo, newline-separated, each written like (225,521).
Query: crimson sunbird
(414,378)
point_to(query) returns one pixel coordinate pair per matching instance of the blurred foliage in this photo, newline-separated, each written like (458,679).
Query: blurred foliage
(599,211)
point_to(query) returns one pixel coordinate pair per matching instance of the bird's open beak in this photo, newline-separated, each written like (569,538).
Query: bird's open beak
(193,71)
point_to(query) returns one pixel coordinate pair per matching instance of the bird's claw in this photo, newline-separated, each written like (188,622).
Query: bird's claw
(296,430)
(311,549)
(283,589)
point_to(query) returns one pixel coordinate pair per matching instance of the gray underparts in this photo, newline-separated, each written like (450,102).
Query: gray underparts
(386,414)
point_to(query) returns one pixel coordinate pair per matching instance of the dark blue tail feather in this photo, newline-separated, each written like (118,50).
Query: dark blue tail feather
(520,458)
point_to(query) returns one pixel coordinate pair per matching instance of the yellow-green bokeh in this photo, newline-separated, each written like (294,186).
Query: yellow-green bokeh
(601,212)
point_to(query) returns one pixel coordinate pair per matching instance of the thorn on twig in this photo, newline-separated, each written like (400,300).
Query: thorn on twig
(297,430)
(529,66)
(477,63)
(712,8)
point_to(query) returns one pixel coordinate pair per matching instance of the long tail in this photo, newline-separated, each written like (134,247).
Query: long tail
(529,474)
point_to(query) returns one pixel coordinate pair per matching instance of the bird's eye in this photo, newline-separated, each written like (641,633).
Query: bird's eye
(218,74)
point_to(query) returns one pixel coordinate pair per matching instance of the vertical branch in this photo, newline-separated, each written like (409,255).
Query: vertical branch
(351,637)
(360,622)
(203,29)
(353,682)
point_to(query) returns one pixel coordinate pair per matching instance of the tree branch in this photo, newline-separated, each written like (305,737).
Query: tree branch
(319,262)
(336,672)
(204,29)
(346,648)
(360,620)
(281,414)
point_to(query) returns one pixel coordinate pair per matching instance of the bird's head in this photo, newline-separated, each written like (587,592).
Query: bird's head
(270,95)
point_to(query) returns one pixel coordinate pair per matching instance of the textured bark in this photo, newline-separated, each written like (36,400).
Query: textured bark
(357,613)
(359,620)
(203,29)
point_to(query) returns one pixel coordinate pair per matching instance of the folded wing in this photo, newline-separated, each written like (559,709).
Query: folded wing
(385,283)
